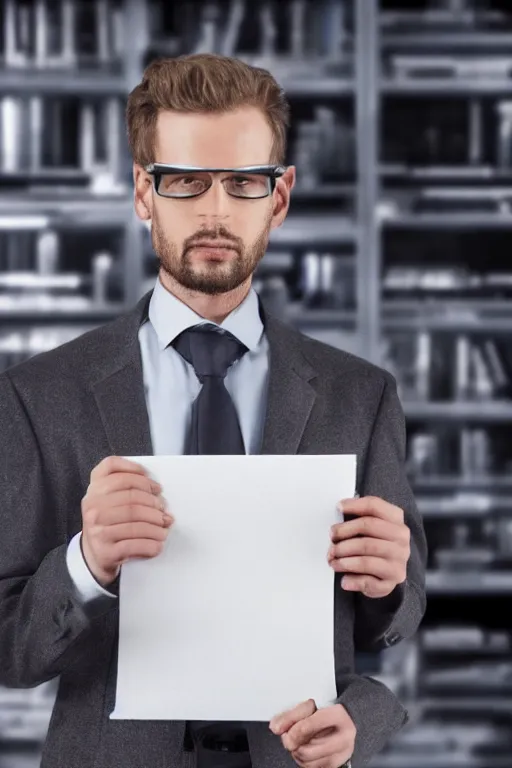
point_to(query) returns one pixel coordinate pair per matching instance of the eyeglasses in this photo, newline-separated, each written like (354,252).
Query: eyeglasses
(251,182)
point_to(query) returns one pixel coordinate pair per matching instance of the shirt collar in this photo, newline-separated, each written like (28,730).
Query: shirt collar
(169,317)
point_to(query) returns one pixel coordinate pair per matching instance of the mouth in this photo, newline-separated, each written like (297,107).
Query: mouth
(213,245)
(218,251)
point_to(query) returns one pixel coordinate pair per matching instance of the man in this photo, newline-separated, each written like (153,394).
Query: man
(199,366)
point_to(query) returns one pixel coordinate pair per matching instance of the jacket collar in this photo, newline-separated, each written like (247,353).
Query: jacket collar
(117,384)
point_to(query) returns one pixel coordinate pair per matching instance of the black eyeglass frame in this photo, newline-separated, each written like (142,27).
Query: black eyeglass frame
(156,170)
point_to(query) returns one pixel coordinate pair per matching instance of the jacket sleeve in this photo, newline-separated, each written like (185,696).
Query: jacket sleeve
(375,711)
(42,617)
(381,622)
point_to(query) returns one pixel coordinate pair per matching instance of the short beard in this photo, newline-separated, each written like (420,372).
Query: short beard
(215,278)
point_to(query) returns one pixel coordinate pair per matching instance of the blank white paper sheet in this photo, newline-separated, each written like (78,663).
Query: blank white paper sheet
(234,620)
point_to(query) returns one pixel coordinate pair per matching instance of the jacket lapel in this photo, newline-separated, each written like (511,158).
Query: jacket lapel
(290,397)
(119,388)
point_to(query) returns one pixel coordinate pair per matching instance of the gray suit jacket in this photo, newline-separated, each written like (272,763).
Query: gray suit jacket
(61,413)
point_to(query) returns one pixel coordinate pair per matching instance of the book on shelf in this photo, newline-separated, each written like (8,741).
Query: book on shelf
(464,367)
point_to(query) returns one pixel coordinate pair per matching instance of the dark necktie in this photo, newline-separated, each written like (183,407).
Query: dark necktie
(214,427)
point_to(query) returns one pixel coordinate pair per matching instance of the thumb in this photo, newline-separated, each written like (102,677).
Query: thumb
(283,722)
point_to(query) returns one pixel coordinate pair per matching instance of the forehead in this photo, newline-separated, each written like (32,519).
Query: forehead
(231,139)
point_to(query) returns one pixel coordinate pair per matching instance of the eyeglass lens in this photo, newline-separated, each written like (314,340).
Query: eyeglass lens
(193,184)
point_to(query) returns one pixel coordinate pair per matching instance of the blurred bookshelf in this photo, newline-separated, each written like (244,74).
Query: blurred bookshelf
(395,248)
(445,315)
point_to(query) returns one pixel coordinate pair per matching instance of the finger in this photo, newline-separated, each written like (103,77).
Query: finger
(369,526)
(303,731)
(365,546)
(331,761)
(126,499)
(292,742)
(125,531)
(116,464)
(102,513)
(321,748)
(121,516)
(128,549)
(368,566)
(373,505)
(368,585)
(282,722)
(319,741)
(123,481)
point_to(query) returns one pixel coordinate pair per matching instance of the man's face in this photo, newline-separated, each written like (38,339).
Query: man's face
(229,140)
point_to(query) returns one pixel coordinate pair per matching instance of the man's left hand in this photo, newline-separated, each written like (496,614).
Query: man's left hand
(316,738)
(375,547)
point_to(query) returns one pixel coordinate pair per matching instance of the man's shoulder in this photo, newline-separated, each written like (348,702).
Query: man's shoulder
(74,361)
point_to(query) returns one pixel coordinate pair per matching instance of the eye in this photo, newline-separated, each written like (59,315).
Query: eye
(182,181)
(183,184)
(244,185)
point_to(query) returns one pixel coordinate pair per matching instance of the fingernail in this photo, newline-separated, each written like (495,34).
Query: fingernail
(339,506)
(156,488)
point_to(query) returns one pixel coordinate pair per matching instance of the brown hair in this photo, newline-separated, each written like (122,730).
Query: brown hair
(202,83)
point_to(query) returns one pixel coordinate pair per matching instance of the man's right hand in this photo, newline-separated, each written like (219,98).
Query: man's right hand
(123,517)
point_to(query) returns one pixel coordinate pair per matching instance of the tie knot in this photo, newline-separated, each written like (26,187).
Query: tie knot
(210,351)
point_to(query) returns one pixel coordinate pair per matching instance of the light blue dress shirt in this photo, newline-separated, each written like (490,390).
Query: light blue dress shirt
(171,386)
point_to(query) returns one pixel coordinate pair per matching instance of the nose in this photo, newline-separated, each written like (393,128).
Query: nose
(214,204)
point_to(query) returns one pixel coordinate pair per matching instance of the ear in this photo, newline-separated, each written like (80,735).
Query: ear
(143,193)
(281,196)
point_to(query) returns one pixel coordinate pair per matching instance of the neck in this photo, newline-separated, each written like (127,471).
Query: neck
(214,308)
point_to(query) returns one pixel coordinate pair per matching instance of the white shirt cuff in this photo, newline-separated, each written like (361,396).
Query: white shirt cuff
(86,584)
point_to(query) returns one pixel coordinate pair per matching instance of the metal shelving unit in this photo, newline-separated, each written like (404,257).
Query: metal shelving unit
(62,83)
(429,201)
(493,412)
(463,585)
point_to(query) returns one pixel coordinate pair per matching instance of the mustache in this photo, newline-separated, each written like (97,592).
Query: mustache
(221,234)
